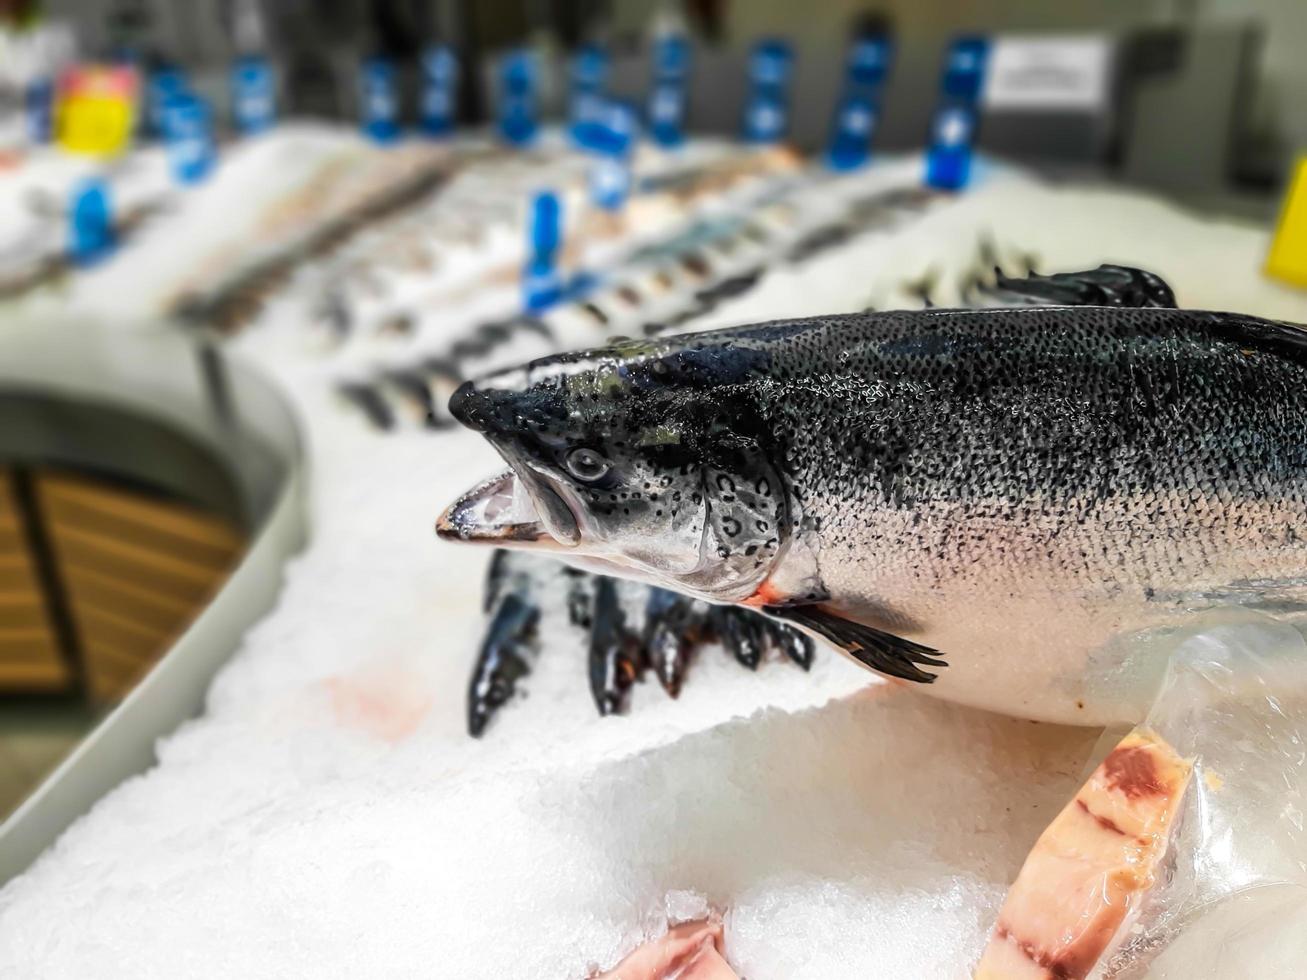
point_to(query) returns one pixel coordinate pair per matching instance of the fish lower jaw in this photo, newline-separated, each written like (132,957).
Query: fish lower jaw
(498,512)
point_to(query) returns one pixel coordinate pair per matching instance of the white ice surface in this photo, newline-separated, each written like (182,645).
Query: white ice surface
(327,816)
(36,195)
(262,194)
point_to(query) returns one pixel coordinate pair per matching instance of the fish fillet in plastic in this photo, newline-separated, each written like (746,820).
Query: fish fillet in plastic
(1090,866)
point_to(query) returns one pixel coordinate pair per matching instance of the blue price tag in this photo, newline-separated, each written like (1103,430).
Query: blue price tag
(379,100)
(165,85)
(581,284)
(589,75)
(671,57)
(188,132)
(610,182)
(948,161)
(953,127)
(858,109)
(517,99)
(439,90)
(869,61)
(667,114)
(964,69)
(765,120)
(618,129)
(766,110)
(90,222)
(769,65)
(610,174)
(253,95)
(542,286)
(38,100)
(668,100)
(855,124)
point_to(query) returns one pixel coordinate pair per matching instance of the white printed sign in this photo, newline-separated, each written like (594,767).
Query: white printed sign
(1062,72)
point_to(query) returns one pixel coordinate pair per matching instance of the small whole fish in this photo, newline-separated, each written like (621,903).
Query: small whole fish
(1006,503)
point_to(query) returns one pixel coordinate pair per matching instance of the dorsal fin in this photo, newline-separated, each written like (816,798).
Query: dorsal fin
(1108,285)
(1274,336)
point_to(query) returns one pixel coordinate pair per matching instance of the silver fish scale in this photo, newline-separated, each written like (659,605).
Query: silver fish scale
(1010,408)
(1014,488)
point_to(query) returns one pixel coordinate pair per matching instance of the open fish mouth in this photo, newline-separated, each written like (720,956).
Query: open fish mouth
(511,509)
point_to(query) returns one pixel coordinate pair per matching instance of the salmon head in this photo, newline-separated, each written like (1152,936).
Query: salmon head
(646,460)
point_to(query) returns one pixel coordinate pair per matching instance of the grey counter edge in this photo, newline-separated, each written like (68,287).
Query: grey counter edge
(123,743)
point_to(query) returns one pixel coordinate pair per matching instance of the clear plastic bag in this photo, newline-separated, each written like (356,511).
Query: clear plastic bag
(1230,898)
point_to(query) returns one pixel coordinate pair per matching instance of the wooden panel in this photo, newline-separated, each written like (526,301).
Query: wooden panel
(26,644)
(139,567)
(21,610)
(30,659)
(44,675)
(152,610)
(110,673)
(135,570)
(100,626)
(140,512)
(15,576)
(214,553)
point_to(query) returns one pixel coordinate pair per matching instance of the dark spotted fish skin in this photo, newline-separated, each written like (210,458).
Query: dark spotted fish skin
(1014,488)
(1024,415)
(1018,489)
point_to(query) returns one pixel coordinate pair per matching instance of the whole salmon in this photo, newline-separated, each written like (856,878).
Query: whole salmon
(1007,503)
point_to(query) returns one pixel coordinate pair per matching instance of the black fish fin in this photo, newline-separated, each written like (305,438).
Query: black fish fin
(1108,285)
(880,651)
(1283,339)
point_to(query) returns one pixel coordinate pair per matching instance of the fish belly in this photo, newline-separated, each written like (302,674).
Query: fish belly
(1062,616)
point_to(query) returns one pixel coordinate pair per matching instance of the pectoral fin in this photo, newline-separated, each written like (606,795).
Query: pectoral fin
(883,652)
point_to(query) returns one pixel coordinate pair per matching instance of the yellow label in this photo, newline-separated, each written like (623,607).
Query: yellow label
(95,109)
(1288,257)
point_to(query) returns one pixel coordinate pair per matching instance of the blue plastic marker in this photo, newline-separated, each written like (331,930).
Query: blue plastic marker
(766,110)
(589,76)
(869,61)
(90,222)
(610,174)
(964,71)
(953,127)
(439,90)
(165,85)
(668,100)
(542,286)
(855,122)
(858,109)
(517,99)
(379,100)
(188,133)
(253,95)
(581,284)
(38,101)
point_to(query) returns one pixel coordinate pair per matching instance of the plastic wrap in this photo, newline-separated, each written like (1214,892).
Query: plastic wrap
(1183,855)
(1230,899)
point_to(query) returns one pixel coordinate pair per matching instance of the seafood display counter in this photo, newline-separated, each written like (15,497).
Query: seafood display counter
(161,409)
(328,812)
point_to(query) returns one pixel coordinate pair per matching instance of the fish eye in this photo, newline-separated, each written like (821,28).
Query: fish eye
(587,465)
